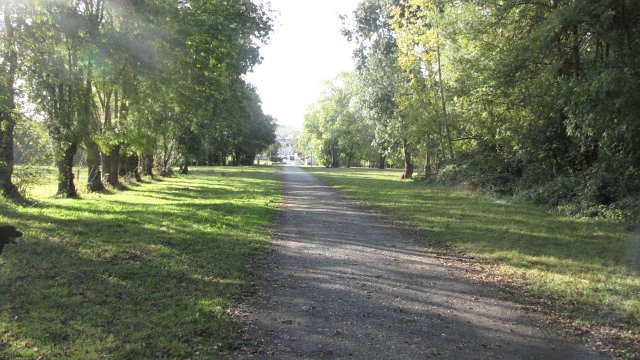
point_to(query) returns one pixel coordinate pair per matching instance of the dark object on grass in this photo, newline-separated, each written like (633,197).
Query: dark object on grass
(9,234)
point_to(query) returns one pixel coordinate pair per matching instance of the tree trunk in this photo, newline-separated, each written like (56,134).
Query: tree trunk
(381,162)
(408,163)
(132,167)
(94,175)
(445,119)
(106,161)
(114,165)
(427,162)
(335,157)
(123,166)
(94,180)
(7,108)
(66,187)
(146,164)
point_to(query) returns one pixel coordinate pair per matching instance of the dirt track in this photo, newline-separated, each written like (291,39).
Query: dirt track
(345,284)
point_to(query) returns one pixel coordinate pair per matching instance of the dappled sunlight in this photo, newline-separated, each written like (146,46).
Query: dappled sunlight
(119,266)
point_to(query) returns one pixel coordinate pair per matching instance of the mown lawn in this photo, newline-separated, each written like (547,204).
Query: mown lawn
(585,270)
(148,272)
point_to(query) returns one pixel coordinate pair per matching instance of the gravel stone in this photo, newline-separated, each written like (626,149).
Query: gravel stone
(344,283)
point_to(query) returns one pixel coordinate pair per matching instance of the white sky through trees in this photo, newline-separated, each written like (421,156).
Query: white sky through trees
(305,49)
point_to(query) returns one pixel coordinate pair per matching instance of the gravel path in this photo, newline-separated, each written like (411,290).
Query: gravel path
(345,284)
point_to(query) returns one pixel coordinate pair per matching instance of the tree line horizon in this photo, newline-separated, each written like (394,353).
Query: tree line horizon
(130,86)
(539,99)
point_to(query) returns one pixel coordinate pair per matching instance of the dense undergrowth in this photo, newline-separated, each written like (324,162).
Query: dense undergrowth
(605,189)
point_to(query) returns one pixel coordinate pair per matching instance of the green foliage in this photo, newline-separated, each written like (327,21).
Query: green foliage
(596,191)
(29,176)
(32,143)
(510,96)
(381,81)
(334,128)
(143,77)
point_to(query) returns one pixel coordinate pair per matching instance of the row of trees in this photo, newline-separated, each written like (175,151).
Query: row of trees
(135,84)
(537,96)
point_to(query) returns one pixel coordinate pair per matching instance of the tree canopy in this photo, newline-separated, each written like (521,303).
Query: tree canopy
(134,84)
(528,97)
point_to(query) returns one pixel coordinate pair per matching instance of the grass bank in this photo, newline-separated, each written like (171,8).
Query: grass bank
(149,272)
(584,270)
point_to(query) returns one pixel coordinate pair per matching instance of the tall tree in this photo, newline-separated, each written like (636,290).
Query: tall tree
(378,67)
(8,113)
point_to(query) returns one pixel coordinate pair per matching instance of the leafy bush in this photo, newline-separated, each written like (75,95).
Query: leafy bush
(490,172)
(26,177)
(451,174)
(606,189)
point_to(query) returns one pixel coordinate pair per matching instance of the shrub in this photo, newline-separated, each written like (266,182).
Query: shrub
(26,177)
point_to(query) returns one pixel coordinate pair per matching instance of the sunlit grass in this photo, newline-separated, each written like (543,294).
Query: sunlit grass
(149,272)
(587,268)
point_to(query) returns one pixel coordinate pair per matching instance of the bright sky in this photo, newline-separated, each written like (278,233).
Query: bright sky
(306,48)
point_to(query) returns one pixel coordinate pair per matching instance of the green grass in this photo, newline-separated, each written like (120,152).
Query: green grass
(149,272)
(586,269)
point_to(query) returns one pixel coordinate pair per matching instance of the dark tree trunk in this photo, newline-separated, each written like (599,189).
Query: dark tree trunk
(7,107)
(381,162)
(114,166)
(94,175)
(7,125)
(235,158)
(408,163)
(427,162)
(335,158)
(123,166)
(146,161)
(132,167)
(66,187)
(167,153)
(94,180)
(106,161)
(445,119)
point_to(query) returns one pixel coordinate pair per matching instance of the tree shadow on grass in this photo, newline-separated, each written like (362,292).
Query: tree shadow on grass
(126,280)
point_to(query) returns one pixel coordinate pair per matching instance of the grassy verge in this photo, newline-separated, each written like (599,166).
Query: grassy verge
(148,272)
(585,270)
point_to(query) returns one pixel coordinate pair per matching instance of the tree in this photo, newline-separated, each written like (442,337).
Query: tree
(334,126)
(94,68)
(381,77)
(8,113)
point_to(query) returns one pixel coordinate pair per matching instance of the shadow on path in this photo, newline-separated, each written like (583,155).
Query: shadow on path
(346,284)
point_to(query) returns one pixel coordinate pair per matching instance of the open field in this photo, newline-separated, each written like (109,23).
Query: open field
(582,270)
(149,272)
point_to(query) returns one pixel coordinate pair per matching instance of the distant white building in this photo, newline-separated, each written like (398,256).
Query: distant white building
(286,151)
